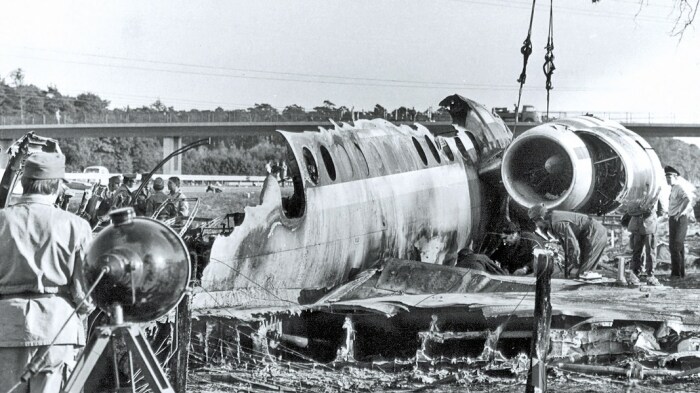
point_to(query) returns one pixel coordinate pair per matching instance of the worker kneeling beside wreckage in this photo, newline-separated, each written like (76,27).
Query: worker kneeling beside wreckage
(582,238)
(513,256)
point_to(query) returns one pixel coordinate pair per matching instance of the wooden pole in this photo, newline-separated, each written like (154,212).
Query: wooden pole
(537,375)
(179,363)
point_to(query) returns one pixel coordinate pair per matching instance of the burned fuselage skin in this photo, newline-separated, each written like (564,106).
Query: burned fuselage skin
(362,193)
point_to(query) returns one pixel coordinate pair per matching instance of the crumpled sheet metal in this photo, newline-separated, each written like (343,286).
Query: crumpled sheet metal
(606,304)
(576,344)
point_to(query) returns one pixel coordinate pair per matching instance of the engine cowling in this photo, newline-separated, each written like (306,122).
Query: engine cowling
(582,164)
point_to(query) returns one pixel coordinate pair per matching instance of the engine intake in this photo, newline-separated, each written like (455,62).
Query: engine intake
(582,164)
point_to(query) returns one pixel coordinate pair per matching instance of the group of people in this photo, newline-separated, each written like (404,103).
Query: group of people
(642,223)
(584,239)
(121,194)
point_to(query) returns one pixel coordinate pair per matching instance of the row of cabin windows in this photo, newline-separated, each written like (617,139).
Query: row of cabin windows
(345,158)
(445,148)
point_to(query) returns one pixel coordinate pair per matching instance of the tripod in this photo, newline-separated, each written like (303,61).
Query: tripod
(140,354)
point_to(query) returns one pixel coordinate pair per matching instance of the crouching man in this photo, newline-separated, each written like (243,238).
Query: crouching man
(516,251)
(583,238)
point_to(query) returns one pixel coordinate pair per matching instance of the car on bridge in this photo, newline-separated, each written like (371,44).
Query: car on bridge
(96,169)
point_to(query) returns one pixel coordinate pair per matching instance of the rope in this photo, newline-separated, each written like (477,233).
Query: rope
(548,67)
(526,51)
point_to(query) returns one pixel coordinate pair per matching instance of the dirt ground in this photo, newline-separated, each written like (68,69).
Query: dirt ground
(275,378)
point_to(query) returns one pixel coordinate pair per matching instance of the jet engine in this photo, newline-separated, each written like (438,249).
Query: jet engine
(582,164)
(139,264)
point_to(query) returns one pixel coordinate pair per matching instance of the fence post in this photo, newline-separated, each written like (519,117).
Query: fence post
(537,375)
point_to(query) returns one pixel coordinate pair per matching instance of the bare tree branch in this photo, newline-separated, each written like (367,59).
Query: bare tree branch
(686,11)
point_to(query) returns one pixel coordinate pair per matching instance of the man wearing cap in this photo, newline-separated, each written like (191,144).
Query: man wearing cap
(515,253)
(583,238)
(122,197)
(100,213)
(680,209)
(43,248)
(176,196)
(156,199)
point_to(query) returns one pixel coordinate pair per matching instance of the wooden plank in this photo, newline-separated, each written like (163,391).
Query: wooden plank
(539,346)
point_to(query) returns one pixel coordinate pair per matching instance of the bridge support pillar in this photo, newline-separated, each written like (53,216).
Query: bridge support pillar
(170,144)
(4,157)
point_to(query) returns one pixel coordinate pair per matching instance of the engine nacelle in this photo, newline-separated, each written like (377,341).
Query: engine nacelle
(582,164)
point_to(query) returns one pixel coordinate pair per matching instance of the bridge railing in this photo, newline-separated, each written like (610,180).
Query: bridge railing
(622,117)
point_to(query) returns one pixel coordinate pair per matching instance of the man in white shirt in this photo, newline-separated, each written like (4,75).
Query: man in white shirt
(680,210)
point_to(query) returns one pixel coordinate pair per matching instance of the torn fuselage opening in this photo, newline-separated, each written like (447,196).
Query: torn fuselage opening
(294,206)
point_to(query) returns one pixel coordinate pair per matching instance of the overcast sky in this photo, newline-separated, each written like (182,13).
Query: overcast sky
(204,54)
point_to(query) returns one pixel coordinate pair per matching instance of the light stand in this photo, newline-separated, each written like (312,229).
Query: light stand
(139,269)
(140,354)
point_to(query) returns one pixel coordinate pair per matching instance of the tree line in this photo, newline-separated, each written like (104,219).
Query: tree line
(22,103)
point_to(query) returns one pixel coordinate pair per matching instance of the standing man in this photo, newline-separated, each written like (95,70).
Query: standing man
(642,227)
(680,209)
(141,198)
(584,239)
(43,248)
(105,206)
(176,196)
(284,172)
(122,197)
(156,199)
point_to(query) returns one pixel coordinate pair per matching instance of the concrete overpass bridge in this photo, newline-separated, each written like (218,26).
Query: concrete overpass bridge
(172,133)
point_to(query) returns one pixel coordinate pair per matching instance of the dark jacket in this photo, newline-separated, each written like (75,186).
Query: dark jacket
(518,255)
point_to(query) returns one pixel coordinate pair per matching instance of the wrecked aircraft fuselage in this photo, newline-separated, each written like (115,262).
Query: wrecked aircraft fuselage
(374,190)
(362,193)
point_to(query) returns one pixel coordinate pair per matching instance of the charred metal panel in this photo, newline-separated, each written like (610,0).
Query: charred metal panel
(394,202)
(490,132)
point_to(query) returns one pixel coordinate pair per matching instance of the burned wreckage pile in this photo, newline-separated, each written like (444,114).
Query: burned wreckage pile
(357,266)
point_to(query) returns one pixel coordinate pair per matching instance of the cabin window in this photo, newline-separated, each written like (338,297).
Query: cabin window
(328,162)
(432,148)
(344,161)
(446,149)
(461,148)
(311,166)
(364,168)
(420,151)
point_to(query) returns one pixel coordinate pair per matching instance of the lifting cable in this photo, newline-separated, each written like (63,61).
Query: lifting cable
(526,50)
(548,66)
